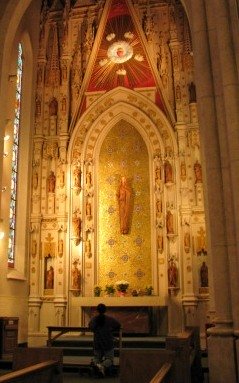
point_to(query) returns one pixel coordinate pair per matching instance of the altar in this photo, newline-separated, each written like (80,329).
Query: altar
(137,315)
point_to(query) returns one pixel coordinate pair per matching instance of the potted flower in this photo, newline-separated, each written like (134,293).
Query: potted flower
(97,290)
(149,290)
(110,290)
(122,287)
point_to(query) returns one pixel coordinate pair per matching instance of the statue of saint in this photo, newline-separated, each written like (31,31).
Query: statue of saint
(76,222)
(77,177)
(168,172)
(76,277)
(204,275)
(50,278)
(172,274)
(198,172)
(51,182)
(123,196)
(169,223)
(88,248)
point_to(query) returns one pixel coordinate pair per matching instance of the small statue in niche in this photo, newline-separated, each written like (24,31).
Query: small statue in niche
(204,275)
(169,223)
(201,242)
(88,248)
(49,278)
(172,274)
(88,179)
(198,172)
(53,107)
(63,105)
(77,177)
(168,172)
(76,277)
(158,176)
(76,222)
(60,247)
(51,182)
(159,207)
(88,210)
(160,243)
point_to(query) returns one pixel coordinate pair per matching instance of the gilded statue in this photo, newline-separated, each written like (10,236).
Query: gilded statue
(124,196)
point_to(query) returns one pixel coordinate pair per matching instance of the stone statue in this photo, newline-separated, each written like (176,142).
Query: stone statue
(51,182)
(53,107)
(88,248)
(124,196)
(168,172)
(88,179)
(198,172)
(172,274)
(159,207)
(204,275)
(88,209)
(76,222)
(60,247)
(158,176)
(183,172)
(169,223)
(76,277)
(50,278)
(77,177)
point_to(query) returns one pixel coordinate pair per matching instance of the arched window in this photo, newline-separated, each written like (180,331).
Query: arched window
(15,156)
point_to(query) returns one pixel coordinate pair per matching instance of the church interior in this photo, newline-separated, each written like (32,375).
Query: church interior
(119,134)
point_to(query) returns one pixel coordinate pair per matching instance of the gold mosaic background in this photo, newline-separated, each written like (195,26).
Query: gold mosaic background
(124,256)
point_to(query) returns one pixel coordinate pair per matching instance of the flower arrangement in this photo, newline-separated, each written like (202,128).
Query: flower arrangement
(110,289)
(97,290)
(148,290)
(122,286)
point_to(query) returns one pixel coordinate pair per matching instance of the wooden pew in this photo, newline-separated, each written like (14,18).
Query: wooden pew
(164,375)
(63,330)
(39,373)
(38,365)
(141,365)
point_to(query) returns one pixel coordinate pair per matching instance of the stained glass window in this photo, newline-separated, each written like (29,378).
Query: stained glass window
(15,152)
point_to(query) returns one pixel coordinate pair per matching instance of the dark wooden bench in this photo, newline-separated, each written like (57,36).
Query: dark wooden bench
(63,330)
(39,372)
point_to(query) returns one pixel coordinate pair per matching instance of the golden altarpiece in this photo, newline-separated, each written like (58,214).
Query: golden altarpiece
(116,100)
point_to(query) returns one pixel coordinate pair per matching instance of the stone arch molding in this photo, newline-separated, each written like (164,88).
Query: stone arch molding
(106,111)
(111,107)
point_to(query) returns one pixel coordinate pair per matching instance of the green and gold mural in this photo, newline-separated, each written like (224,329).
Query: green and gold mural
(124,254)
